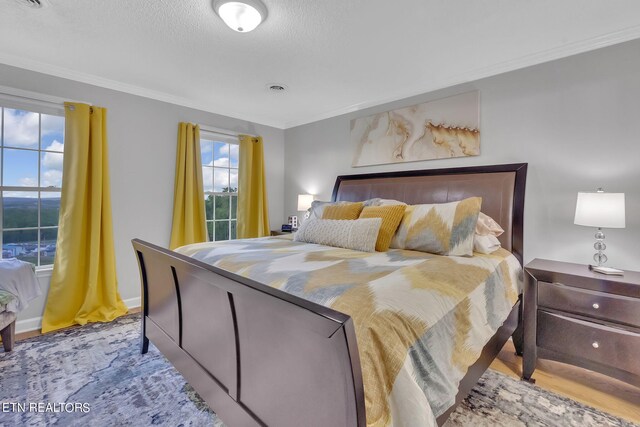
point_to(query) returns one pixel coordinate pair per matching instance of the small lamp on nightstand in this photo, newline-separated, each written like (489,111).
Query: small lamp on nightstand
(601,210)
(304,203)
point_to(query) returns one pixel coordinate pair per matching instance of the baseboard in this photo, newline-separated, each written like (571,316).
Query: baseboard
(35,323)
(28,325)
(133,302)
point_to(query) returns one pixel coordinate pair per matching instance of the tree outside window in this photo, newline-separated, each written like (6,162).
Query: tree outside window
(220,158)
(31,153)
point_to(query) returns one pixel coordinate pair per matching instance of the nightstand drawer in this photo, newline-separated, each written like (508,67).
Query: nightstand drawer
(609,307)
(610,346)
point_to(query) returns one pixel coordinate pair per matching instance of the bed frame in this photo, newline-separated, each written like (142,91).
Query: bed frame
(262,357)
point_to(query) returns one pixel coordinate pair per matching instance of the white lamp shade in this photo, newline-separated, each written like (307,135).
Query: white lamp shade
(304,201)
(242,16)
(599,209)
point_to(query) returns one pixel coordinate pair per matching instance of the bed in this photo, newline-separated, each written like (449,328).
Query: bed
(264,354)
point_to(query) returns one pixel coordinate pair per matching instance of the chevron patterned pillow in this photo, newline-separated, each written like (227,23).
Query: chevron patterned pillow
(441,228)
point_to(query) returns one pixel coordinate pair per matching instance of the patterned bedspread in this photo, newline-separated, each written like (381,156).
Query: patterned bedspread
(421,320)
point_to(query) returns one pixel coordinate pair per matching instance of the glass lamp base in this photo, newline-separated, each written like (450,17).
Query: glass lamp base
(599,257)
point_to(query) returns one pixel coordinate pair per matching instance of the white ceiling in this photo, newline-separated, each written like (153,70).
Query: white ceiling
(335,56)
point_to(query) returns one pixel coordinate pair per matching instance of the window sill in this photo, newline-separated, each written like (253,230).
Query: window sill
(44,271)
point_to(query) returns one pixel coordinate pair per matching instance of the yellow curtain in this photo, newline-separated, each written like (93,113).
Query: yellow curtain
(189,225)
(83,286)
(253,211)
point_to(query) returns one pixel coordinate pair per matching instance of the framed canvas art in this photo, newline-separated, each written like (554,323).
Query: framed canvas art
(439,129)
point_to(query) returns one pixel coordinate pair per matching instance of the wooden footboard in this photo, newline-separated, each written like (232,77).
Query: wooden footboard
(256,355)
(260,356)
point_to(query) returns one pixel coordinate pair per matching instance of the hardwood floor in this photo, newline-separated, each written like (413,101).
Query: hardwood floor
(591,388)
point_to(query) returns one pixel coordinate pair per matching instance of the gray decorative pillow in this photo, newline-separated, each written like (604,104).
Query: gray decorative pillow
(439,228)
(5,299)
(377,201)
(359,234)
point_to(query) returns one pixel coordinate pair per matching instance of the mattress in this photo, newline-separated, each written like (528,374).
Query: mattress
(421,319)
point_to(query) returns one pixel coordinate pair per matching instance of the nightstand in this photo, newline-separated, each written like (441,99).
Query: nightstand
(279,233)
(573,315)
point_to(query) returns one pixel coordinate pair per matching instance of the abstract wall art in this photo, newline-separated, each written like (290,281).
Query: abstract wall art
(439,129)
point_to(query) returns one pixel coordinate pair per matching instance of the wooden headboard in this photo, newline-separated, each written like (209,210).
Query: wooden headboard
(501,187)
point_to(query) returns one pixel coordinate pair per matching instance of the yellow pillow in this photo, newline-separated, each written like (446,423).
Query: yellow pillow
(391,217)
(342,211)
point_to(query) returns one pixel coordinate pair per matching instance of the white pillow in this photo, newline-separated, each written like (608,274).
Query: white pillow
(485,244)
(382,202)
(487,226)
(358,234)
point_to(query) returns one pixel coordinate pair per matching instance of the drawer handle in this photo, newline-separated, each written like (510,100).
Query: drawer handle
(596,305)
(595,344)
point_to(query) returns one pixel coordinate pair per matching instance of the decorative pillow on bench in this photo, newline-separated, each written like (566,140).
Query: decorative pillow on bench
(5,299)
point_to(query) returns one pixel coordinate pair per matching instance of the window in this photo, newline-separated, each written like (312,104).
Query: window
(220,177)
(31,152)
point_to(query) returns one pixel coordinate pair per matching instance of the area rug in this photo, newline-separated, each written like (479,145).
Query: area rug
(95,376)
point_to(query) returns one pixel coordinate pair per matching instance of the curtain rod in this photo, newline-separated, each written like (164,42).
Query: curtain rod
(35,101)
(223,131)
(19,95)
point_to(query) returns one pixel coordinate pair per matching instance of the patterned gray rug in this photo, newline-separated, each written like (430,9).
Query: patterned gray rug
(97,377)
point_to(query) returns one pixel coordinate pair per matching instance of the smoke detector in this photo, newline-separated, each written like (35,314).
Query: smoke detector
(34,4)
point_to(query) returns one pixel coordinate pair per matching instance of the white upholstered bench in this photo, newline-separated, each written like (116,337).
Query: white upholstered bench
(7,321)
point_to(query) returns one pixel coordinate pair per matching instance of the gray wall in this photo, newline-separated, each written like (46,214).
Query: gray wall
(142,143)
(573,120)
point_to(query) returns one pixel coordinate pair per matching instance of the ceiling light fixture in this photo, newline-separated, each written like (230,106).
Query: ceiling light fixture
(35,4)
(242,16)
(276,87)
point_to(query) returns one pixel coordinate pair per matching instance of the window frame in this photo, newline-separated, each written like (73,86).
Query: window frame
(213,138)
(7,102)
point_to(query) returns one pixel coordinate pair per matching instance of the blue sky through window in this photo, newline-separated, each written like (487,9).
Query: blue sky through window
(220,161)
(20,166)
(29,224)
(220,175)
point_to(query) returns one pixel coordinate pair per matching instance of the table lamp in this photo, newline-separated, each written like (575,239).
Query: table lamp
(304,203)
(601,210)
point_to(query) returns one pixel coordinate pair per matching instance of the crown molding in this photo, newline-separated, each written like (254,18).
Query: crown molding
(548,55)
(566,50)
(65,73)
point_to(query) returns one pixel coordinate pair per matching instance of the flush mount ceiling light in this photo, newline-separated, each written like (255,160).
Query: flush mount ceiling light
(276,87)
(242,16)
(35,4)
